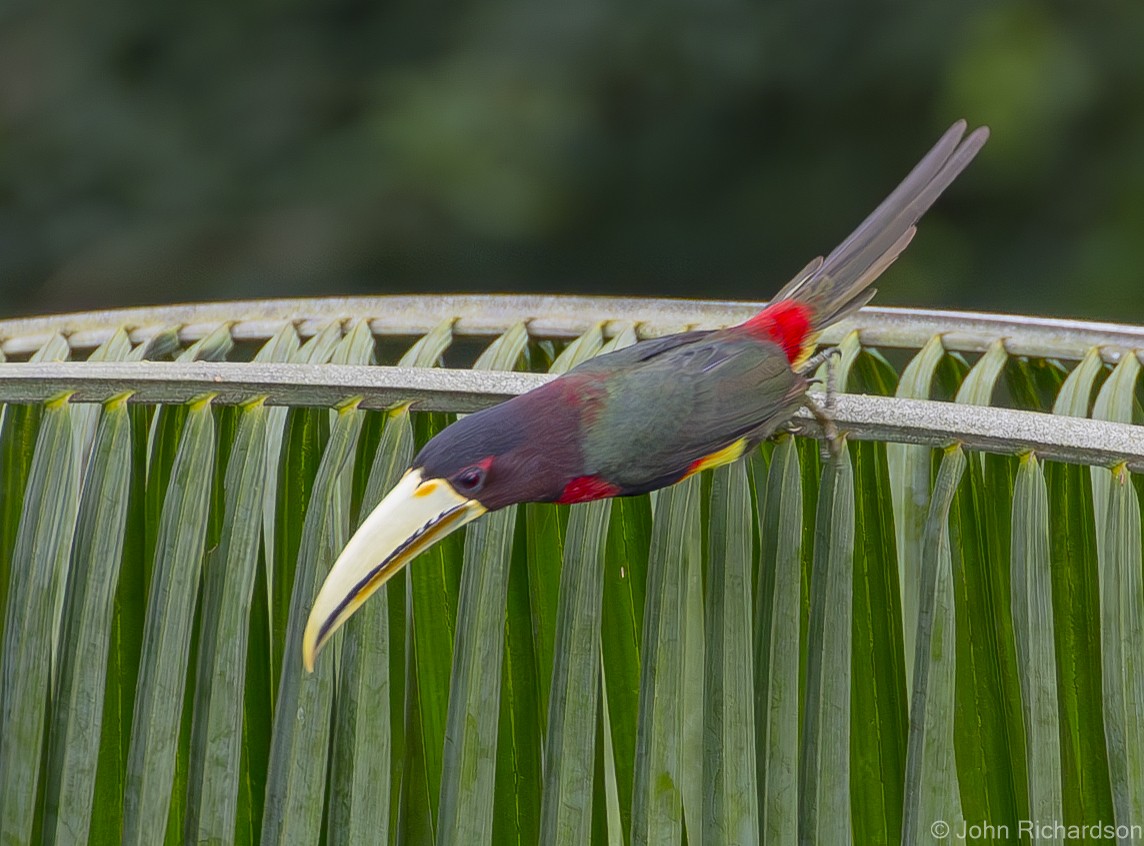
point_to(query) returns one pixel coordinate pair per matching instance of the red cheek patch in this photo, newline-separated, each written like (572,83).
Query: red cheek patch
(586,489)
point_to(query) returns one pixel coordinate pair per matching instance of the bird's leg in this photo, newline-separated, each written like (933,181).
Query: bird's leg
(819,358)
(825,414)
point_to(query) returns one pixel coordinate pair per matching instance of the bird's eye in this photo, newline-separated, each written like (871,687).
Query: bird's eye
(469,479)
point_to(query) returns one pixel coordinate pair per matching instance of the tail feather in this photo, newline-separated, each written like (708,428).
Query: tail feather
(837,286)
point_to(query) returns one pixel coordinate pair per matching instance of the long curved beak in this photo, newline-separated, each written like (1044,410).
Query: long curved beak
(413,516)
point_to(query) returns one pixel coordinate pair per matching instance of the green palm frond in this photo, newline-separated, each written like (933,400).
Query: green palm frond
(943,623)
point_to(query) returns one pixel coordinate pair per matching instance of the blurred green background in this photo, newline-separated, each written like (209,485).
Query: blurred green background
(167,152)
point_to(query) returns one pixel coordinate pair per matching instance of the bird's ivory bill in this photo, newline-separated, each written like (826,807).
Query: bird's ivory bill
(416,514)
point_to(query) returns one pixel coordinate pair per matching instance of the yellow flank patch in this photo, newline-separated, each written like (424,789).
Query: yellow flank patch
(808,346)
(729,453)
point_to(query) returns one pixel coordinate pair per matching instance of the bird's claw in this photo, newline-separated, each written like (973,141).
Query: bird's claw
(831,439)
(792,427)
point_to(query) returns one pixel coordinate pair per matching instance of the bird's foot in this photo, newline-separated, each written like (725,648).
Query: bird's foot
(792,427)
(831,443)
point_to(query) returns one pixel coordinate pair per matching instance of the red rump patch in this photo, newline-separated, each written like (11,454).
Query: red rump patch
(586,489)
(786,322)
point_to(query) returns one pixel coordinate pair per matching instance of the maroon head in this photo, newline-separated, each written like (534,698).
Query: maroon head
(523,450)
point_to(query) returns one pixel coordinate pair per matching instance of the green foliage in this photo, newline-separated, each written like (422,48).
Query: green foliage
(763,653)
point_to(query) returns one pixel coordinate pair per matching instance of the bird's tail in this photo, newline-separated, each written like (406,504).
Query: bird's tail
(830,289)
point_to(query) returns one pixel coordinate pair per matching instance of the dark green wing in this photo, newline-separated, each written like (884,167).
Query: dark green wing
(659,414)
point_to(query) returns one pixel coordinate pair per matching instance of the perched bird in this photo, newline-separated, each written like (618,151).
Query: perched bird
(601,430)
